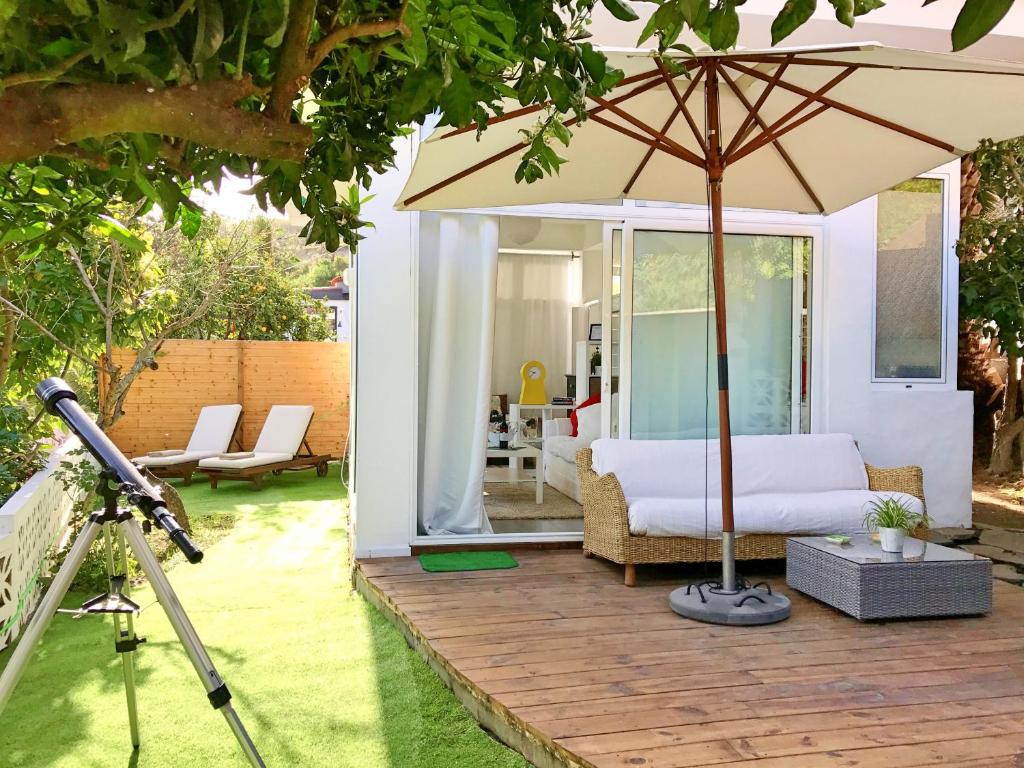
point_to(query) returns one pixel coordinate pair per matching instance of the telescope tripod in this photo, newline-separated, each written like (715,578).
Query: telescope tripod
(121,532)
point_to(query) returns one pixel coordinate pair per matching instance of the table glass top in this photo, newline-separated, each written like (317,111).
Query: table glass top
(864,551)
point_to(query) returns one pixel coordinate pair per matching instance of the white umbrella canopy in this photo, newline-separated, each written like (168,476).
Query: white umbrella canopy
(852,120)
(804,129)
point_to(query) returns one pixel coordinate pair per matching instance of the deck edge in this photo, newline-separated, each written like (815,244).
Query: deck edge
(493,716)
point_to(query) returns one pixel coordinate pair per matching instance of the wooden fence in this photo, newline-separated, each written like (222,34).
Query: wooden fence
(163,404)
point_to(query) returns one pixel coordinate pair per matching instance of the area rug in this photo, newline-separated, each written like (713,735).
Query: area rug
(503,502)
(442,562)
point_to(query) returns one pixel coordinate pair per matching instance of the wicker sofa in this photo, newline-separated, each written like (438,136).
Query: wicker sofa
(606,522)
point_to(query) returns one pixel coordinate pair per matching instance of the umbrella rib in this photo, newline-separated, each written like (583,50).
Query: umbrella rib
(649,154)
(678,148)
(763,139)
(532,108)
(794,111)
(853,111)
(681,101)
(651,83)
(873,65)
(752,110)
(652,143)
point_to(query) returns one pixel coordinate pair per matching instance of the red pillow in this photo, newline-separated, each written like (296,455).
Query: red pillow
(572,415)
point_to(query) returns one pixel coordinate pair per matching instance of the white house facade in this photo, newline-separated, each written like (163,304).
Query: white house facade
(844,323)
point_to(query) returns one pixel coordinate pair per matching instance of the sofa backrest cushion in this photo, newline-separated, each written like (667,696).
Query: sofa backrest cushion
(761,464)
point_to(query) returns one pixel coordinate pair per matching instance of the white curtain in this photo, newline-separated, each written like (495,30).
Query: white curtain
(532,320)
(457,277)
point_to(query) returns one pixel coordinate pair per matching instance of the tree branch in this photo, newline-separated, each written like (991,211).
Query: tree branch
(340,35)
(46,332)
(77,261)
(43,75)
(40,120)
(293,68)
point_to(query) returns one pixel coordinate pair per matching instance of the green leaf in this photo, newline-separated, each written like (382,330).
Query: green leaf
(594,62)
(860,7)
(63,47)
(725,27)
(78,7)
(976,19)
(209,30)
(844,11)
(191,222)
(115,230)
(620,9)
(275,38)
(793,14)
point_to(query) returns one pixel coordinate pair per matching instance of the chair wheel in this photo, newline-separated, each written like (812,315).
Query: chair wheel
(278,472)
(321,469)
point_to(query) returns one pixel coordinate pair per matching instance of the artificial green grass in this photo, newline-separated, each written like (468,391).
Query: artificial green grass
(319,677)
(442,562)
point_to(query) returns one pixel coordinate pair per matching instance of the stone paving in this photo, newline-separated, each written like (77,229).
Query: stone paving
(1003,546)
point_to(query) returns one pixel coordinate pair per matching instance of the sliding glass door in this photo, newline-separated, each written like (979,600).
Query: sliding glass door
(667,324)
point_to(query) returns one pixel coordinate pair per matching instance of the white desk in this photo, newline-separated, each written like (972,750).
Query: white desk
(515,411)
(514,455)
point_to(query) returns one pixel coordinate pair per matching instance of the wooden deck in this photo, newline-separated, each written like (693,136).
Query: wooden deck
(565,664)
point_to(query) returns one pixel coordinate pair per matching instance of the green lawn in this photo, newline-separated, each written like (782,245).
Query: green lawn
(319,677)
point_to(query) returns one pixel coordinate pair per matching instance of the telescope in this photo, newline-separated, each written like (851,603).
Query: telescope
(60,400)
(122,532)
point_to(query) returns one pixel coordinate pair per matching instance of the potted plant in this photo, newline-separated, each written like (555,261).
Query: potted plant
(595,363)
(893,519)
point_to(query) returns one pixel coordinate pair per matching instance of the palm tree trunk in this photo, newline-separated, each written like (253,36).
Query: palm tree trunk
(1010,425)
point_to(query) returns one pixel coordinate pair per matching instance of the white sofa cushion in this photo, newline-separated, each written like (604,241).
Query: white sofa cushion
(564,447)
(214,428)
(688,469)
(257,459)
(821,512)
(284,429)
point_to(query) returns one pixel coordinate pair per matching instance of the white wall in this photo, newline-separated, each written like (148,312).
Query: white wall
(928,425)
(384,484)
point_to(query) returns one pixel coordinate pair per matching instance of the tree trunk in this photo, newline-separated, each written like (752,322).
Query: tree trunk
(8,329)
(1011,425)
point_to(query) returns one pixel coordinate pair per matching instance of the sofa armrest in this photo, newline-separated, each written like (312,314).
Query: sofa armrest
(908,479)
(556,427)
(605,513)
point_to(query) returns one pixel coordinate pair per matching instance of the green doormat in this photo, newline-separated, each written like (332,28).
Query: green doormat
(467,561)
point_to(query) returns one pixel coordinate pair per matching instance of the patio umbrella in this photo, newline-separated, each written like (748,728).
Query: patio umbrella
(810,130)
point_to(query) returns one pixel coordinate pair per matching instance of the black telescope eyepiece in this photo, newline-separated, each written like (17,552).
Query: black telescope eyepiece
(52,390)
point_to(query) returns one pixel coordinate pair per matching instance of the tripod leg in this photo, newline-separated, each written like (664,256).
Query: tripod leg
(47,608)
(216,690)
(124,639)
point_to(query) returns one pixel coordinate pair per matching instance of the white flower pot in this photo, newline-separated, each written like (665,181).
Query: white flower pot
(892,539)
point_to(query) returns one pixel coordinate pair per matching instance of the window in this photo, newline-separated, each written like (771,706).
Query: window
(909,282)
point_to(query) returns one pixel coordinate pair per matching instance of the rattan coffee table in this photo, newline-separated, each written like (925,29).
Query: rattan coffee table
(867,583)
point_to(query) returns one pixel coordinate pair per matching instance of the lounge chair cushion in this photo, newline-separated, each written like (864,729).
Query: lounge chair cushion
(822,512)
(258,458)
(184,457)
(214,428)
(284,429)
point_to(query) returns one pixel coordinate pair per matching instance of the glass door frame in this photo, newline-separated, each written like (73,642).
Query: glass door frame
(737,225)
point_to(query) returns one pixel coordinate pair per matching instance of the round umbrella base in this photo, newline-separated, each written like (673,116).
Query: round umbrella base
(751,605)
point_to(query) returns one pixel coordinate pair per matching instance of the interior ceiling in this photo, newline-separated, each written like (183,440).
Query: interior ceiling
(533,232)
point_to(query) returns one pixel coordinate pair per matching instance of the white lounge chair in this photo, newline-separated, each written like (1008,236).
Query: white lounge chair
(212,435)
(277,449)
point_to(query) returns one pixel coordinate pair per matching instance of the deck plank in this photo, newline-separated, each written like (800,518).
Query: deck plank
(587,672)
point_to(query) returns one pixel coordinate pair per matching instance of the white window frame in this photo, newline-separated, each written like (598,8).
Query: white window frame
(949,175)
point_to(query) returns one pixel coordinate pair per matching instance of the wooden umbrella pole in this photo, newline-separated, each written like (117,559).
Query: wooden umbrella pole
(716,169)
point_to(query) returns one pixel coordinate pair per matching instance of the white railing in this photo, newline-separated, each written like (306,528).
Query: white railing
(32,523)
